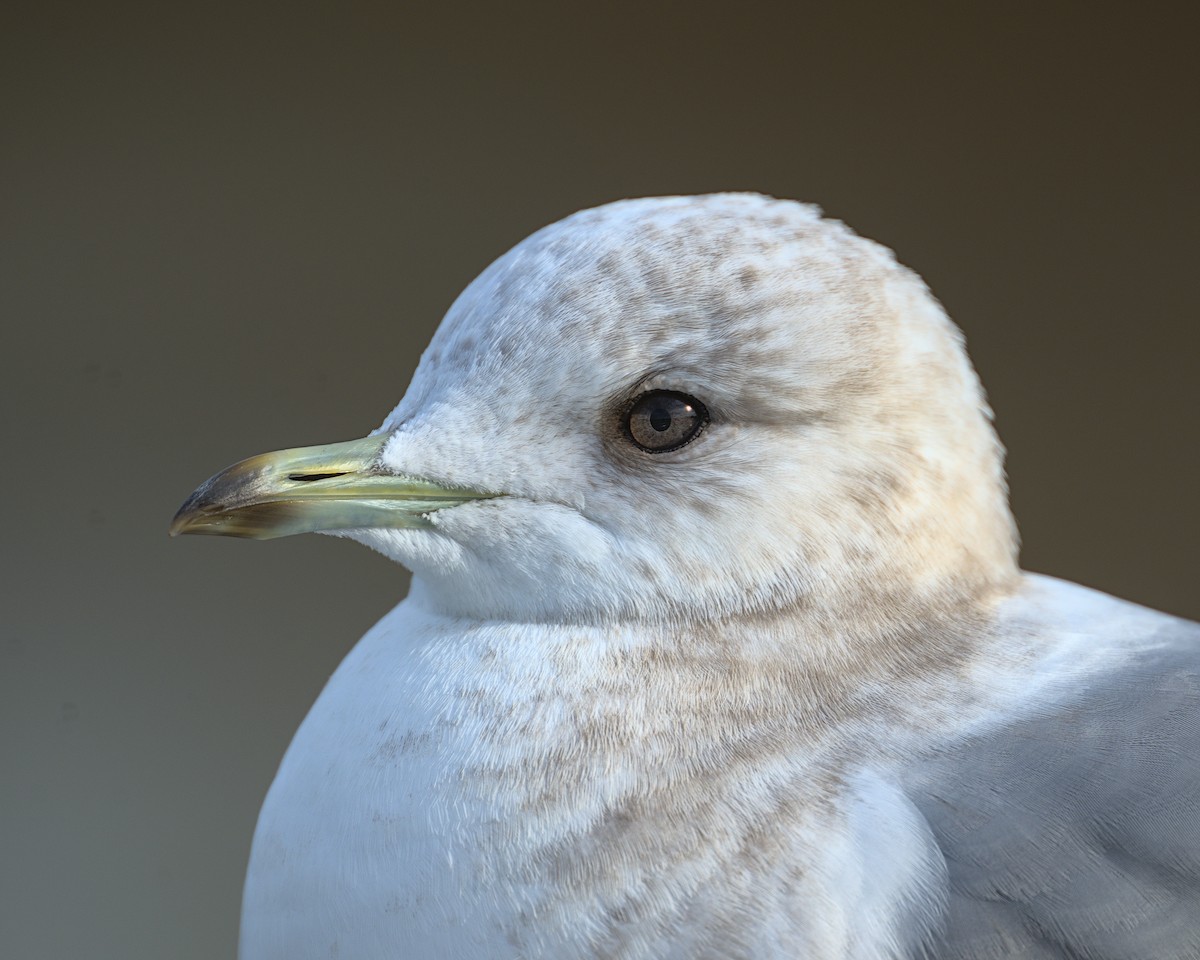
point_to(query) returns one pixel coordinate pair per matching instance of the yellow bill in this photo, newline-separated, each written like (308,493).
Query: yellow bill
(338,486)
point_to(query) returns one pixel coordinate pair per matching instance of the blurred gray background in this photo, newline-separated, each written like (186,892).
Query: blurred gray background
(227,231)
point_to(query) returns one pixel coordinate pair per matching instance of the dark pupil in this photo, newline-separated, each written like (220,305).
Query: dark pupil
(660,419)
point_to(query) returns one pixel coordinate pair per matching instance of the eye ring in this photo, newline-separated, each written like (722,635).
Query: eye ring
(659,421)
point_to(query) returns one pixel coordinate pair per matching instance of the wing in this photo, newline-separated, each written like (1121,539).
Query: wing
(1075,833)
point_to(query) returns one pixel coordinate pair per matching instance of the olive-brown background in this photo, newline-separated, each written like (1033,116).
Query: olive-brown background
(226,231)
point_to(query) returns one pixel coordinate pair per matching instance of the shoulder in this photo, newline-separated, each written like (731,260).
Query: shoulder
(1070,821)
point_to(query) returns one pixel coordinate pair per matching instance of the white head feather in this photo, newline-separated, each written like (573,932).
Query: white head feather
(850,457)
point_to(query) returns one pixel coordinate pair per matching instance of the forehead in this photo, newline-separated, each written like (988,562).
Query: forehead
(726,283)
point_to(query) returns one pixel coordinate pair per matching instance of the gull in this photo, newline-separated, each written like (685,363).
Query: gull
(717,645)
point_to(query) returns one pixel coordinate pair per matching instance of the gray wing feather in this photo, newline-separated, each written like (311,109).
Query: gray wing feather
(1074,833)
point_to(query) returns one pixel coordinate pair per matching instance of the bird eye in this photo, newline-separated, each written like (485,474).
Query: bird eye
(663,420)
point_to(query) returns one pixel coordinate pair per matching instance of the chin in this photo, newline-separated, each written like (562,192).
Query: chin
(425,552)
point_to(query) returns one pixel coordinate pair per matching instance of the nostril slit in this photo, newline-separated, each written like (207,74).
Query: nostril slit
(309,477)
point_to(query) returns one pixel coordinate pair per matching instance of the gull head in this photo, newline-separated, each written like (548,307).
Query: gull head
(681,408)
